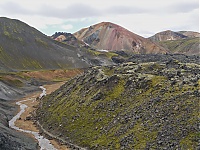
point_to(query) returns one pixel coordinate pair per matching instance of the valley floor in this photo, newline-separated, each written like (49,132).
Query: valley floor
(26,124)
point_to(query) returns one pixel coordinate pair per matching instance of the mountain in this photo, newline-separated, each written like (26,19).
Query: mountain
(67,38)
(33,50)
(112,37)
(167,35)
(188,46)
(190,34)
(143,105)
(183,42)
(23,51)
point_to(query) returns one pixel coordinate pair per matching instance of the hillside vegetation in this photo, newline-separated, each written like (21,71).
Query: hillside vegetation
(189,46)
(183,42)
(24,48)
(131,106)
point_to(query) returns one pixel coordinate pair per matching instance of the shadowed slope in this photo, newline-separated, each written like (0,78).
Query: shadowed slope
(23,47)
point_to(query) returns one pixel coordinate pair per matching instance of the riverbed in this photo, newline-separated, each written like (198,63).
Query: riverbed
(42,141)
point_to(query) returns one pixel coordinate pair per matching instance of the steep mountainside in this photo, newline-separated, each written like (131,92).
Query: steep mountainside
(25,48)
(167,35)
(183,42)
(8,92)
(131,106)
(109,36)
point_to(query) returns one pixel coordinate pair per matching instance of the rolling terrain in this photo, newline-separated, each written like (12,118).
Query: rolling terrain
(127,93)
(189,46)
(135,105)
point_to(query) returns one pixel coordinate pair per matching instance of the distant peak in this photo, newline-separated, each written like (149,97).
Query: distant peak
(106,24)
(166,31)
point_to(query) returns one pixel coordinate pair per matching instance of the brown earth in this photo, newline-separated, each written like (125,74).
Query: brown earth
(52,75)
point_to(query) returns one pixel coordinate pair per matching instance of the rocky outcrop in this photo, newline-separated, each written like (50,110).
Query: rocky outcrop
(135,105)
(164,58)
(67,38)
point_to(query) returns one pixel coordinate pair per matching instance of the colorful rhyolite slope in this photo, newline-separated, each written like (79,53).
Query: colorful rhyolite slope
(109,36)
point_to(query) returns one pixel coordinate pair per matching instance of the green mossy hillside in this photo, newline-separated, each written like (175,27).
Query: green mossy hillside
(130,106)
(189,46)
(24,48)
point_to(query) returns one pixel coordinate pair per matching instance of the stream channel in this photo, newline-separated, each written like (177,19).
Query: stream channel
(42,141)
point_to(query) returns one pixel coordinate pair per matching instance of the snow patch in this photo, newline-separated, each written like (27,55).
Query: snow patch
(103,50)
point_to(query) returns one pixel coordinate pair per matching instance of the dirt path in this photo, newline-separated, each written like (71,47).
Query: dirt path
(25,124)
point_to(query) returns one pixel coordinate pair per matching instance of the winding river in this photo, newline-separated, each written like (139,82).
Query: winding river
(43,142)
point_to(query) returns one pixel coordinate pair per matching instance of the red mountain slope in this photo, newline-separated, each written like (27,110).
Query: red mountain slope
(109,36)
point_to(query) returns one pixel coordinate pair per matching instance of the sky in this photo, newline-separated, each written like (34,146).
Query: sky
(143,17)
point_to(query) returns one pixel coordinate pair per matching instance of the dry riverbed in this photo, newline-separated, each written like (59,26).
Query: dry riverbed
(26,124)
